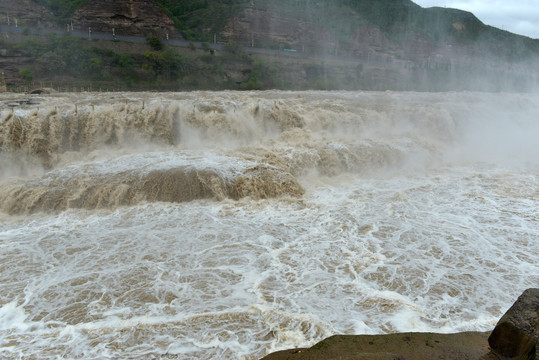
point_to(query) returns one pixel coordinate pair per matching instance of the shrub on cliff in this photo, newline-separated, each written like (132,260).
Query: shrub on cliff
(167,63)
(27,75)
(155,43)
(124,63)
(51,63)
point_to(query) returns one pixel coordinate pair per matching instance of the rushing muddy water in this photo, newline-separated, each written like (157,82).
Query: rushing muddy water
(228,225)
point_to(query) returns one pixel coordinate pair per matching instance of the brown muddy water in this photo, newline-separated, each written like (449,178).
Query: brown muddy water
(227,225)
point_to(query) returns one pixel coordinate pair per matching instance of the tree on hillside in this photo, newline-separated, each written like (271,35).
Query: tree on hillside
(27,75)
(155,43)
(167,63)
(51,63)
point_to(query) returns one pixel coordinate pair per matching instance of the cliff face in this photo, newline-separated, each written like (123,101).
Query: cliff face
(25,13)
(271,29)
(127,17)
(385,44)
(266,28)
(381,31)
(136,18)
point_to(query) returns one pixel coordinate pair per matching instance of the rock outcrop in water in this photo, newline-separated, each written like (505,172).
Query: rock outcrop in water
(515,337)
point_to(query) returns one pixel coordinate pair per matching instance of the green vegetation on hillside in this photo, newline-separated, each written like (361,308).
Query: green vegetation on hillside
(71,61)
(68,63)
(200,20)
(64,55)
(195,19)
(395,18)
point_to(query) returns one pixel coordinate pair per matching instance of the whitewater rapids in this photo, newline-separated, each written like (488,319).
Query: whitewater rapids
(227,225)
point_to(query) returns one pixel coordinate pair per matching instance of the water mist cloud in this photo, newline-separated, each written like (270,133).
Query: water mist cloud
(502,131)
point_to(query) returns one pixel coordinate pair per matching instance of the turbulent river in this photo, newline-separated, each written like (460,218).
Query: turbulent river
(227,225)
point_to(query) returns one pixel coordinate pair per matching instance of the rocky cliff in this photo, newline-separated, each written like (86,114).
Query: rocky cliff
(24,13)
(272,29)
(382,32)
(135,18)
(375,45)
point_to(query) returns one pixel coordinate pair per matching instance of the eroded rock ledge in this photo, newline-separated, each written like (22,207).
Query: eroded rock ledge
(515,337)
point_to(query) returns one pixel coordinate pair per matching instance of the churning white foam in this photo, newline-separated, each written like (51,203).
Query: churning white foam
(430,238)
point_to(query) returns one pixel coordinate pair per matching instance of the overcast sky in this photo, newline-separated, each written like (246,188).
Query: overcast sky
(517,16)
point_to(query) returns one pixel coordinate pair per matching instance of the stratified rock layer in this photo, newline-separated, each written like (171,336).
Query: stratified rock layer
(25,13)
(136,18)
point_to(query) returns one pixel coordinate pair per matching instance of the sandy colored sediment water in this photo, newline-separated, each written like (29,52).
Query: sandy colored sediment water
(230,225)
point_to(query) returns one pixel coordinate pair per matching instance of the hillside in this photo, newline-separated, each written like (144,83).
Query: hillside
(393,42)
(318,25)
(27,13)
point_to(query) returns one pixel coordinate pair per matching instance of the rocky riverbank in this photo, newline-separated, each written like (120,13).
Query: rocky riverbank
(516,336)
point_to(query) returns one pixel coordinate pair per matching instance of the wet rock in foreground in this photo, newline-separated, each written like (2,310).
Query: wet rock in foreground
(402,346)
(515,337)
(517,333)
